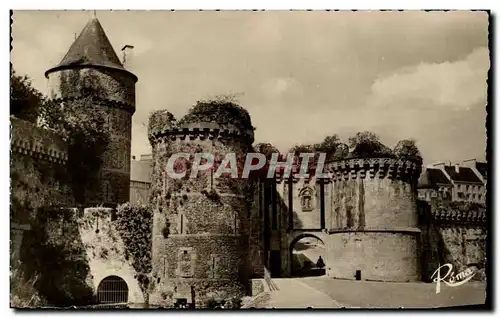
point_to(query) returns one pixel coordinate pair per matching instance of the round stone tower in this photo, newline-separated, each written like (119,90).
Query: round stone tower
(92,64)
(373,224)
(200,227)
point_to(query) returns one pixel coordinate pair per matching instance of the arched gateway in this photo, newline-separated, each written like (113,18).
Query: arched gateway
(112,290)
(307,256)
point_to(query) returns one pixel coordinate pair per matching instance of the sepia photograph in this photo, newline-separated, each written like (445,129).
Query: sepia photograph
(250,159)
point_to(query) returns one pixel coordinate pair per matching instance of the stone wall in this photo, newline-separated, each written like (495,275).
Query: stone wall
(306,218)
(382,198)
(379,256)
(139,192)
(453,233)
(73,251)
(38,175)
(114,90)
(374,217)
(53,255)
(255,236)
(116,85)
(106,252)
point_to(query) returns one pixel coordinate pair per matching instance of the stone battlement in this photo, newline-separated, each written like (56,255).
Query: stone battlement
(390,168)
(449,215)
(36,142)
(202,131)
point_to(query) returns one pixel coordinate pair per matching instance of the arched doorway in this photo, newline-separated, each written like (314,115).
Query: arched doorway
(112,290)
(307,254)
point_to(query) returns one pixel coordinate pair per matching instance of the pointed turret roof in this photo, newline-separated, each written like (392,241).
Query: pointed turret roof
(91,48)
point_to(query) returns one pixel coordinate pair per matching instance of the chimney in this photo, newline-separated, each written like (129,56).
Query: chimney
(457,168)
(127,55)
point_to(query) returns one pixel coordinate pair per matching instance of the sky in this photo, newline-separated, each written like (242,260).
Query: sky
(301,75)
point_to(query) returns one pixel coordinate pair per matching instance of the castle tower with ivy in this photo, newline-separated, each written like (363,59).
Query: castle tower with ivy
(92,68)
(201,223)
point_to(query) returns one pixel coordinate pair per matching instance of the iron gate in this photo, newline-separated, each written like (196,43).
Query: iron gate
(112,289)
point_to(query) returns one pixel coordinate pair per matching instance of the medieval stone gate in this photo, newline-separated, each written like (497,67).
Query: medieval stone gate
(292,238)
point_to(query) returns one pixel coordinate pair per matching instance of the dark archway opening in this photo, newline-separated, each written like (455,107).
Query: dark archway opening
(112,290)
(307,254)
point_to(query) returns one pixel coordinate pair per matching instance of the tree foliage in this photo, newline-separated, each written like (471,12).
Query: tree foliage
(54,253)
(362,145)
(367,145)
(160,120)
(221,111)
(134,224)
(331,146)
(298,149)
(266,149)
(23,293)
(25,100)
(407,149)
(82,123)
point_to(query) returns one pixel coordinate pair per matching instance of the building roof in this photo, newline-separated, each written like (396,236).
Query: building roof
(482,167)
(464,174)
(91,48)
(424,181)
(431,177)
(140,171)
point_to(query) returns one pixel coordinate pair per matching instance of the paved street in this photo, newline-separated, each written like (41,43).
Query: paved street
(395,295)
(294,293)
(323,292)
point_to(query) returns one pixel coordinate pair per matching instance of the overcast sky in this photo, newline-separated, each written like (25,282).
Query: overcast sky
(301,75)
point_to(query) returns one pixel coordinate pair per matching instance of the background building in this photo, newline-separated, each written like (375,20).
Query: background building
(464,182)
(140,179)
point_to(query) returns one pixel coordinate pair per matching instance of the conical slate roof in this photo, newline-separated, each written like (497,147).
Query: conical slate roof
(91,48)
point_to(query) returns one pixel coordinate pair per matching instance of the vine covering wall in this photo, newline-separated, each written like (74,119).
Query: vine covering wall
(454,233)
(55,253)
(134,224)
(102,103)
(70,251)
(37,171)
(116,244)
